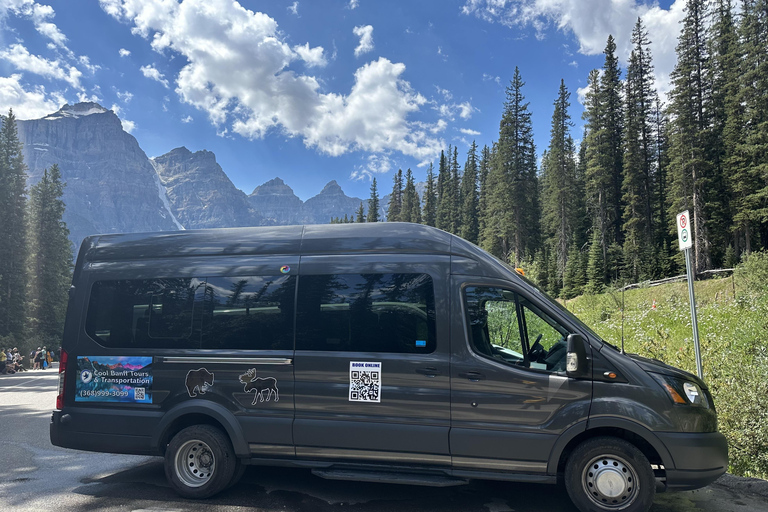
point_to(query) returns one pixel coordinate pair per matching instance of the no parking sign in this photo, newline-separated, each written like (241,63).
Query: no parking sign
(684,231)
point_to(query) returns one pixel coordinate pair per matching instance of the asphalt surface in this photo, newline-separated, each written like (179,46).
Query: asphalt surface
(36,476)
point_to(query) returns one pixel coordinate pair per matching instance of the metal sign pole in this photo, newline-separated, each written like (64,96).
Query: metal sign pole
(689,271)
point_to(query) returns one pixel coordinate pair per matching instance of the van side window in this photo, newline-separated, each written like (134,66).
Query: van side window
(155,313)
(249,313)
(507,327)
(366,313)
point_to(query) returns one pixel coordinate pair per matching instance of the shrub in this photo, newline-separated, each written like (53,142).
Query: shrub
(752,273)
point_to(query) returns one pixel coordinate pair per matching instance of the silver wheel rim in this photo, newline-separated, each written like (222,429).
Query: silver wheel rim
(195,463)
(610,482)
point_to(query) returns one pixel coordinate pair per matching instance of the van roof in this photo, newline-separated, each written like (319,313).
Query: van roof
(389,237)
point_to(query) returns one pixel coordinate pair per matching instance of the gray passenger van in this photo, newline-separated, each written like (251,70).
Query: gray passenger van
(387,352)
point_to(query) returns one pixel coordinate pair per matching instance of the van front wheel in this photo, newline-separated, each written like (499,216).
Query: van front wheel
(607,474)
(199,462)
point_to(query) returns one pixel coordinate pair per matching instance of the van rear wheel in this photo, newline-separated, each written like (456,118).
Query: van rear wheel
(200,462)
(607,474)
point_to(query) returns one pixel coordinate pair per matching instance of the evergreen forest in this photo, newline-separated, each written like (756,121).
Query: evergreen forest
(603,211)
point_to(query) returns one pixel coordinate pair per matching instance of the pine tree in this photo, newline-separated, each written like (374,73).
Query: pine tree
(443,207)
(373,203)
(604,118)
(637,186)
(596,172)
(49,258)
(691,169)
(469,194)
(511,204)
(750,158)
(360,215)
(429,214)
(573,282)
(595,267)
(613,126)
(396,198)
(411,206)
(660,182)
(540,271)
(558,184)
(454,193)
(723,77)
(482,200)
(13,249)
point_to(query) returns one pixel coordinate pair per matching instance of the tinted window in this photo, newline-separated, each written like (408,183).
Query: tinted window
(366,313)
(249,313)
(143,313)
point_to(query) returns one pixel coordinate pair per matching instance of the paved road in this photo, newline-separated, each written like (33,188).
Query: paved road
(35,476)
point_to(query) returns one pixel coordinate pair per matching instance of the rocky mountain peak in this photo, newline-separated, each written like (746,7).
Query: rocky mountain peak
(78,110)
(275,186)
(332,188)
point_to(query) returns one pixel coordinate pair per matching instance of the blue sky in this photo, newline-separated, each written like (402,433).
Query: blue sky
(313,91)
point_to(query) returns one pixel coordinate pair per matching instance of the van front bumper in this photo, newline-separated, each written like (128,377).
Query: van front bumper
(699,459)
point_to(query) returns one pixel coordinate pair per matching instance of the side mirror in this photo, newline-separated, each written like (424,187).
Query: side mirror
(577,364)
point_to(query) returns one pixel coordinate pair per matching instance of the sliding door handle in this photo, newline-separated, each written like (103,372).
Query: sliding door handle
(472,376)
(429,371)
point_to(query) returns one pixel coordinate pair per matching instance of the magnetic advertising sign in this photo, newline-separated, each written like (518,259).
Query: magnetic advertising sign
(364,381)
(114,379)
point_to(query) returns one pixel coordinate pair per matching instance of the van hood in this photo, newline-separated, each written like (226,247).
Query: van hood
(656,366)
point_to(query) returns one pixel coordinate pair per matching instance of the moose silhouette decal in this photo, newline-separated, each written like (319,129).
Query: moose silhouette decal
(259,385)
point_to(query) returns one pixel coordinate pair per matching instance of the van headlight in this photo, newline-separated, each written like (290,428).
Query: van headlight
(683,392)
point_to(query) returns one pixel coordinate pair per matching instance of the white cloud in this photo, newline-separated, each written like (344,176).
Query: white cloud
(83,97)
(294,8)
(591,21)
(491,78)
(153,73)
(238,71)
(312,56)
(467,131)
(86,62)
(187,119)
(128,126)
(450,110)
(445,92)
(20,57)
(365,33)
(375,164)
(125,97)
(40,16)
(466,110)
(27,104)
(124,52)
(353,4)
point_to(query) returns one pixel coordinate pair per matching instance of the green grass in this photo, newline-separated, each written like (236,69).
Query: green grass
(733,332)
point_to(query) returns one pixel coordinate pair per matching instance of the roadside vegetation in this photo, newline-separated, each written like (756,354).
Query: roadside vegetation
(733,332)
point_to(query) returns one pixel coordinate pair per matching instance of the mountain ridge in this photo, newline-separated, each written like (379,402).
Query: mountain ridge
(113,186)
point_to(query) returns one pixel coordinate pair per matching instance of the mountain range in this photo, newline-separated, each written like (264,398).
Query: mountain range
(112,186)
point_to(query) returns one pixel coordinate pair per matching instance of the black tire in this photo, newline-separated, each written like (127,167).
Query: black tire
(608,474)
(200,462)
(238,474)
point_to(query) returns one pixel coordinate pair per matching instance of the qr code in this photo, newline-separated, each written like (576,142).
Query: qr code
(138,394)
(365,382)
